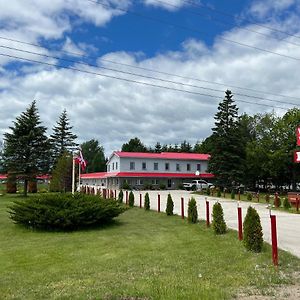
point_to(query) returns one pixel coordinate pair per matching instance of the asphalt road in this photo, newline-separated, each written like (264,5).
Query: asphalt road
(288,225)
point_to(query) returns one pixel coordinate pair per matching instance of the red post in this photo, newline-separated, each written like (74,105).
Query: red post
(207,214)
(158,203)
(274,240)
(182,208)
(126,197)
(297,203)
(240,223)
(140,200)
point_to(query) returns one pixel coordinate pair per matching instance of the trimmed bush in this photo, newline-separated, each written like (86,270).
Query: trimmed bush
(147,202)
(253,235)
(232,195)
(170,206)
(218,223)
(126,186)
(120,196)
(162,186)
(286,203)
(192,211)
(219,194)
(249,196)
(131,199)
(64,211)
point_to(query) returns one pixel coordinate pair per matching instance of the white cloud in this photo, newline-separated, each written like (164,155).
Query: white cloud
(170,5)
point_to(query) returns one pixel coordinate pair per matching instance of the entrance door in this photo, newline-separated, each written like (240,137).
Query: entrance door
(169,183)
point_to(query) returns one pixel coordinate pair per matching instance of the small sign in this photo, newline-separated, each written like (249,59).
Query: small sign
(298,135)
(297,156)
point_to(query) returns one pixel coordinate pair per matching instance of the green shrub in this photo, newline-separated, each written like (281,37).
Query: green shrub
(286,203)
(192,211)
(208,191)
(232,195)
(253,235)
(249,196)
(64,211)
(120,196)
(147,202)
(219,194)
(162,186)
(267,198)
(131,199)
(170,206)
(218,223)
(126,186)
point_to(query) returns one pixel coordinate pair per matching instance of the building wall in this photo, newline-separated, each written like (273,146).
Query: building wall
(114,164)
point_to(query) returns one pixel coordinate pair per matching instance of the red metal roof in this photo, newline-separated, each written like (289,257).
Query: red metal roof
(164,155)
(144,174)
(3,176)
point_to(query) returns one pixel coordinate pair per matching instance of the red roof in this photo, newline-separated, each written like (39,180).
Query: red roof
(102,175)
(46,176)
(164,155)
(3,176)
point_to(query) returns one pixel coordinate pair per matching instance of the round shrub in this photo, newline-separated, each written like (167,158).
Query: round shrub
(192,211)
(120,196)
(170,206)
(253,235)
(219,192)
(286,203)
(218,223)
(147,202)
(249,196)
(131,199)
(64,211)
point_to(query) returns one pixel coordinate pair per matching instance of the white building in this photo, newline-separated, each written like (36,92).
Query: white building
(149,170)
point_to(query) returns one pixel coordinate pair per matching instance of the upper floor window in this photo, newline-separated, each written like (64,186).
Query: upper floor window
(199,167)
(177,167)
(144,166)
(167,166)
(116,166)
(132,165)
(188,167)
(108,168)
(113,166)
(155,166)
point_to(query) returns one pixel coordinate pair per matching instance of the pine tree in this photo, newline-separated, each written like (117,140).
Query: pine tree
(228,151)
(62,139)
(192,211)
(218,223)
(26,150)
(170,206)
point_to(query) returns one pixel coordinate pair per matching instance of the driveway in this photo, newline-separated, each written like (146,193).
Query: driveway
(288,225)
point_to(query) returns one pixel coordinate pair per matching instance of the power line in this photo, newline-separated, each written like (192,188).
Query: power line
(150,70)
(132,80)
(197,31)
(141,75)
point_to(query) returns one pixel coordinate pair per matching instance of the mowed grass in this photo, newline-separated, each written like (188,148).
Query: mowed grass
(144,255)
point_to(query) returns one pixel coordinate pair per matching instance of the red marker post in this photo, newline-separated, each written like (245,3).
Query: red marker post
(182,208)
(140,200)
(274,240)
(158,203)
(126,197)
(240,223)
(297,202)
(207,213)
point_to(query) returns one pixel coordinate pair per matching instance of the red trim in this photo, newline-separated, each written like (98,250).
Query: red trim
(164,155)
(143,175)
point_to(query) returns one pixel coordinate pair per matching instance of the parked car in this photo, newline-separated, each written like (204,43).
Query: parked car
(197,185)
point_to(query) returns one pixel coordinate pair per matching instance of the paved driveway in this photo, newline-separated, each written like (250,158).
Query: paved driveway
(288,225)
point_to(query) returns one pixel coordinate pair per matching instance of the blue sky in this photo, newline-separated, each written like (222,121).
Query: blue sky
(114,111)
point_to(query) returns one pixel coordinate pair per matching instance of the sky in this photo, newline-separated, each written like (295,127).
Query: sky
(150,69)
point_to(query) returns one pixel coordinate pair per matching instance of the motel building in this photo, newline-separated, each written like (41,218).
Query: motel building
(165,170)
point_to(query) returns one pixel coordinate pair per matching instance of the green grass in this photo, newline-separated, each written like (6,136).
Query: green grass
(144,255)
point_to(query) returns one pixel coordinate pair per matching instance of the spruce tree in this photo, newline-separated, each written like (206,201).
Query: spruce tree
(192,211)
(228,151)
(62,139)
(26,151)
(170,206)
(218,223)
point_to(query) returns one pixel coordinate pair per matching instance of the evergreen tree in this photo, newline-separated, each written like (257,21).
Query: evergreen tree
(218,223)
(26,149)
(228,151)
(157,148)
(192,211)
(62,139)
(134,145)
(170,206)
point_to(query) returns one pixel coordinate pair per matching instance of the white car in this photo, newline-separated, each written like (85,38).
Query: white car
(197,185)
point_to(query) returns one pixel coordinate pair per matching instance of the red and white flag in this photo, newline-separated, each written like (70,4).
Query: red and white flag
(81,161)
(298,135)
(297,157)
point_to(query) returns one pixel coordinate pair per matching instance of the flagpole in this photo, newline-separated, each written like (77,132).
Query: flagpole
(79,173)
(73,174)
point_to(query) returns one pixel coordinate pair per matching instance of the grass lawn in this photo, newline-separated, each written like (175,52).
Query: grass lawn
(144,255)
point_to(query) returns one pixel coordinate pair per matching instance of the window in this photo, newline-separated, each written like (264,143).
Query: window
(155,181)
(155,166)
(139,182)
(132,165)
(199,167)
(188,167)
(113,166)
(144,166)
(177,167)
(116,166)
(167,166)
(108,167)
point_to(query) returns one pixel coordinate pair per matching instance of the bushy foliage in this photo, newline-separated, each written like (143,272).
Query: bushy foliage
(192,211)
(208,191)
(253,235)
(232,195)
(162,186)
(121,196)
(170,206)
(219,194)
(249,196)
(286,203)
(218,223)
(126,186)
(147,202)
(64,211)
(131,199)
